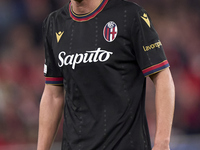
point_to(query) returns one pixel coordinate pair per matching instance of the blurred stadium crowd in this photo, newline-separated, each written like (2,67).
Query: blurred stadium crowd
(22,58)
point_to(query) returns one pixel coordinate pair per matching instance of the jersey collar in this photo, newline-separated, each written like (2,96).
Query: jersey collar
(86,17)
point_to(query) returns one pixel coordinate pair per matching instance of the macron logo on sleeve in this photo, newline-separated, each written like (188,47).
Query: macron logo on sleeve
(146,19)
(59,35)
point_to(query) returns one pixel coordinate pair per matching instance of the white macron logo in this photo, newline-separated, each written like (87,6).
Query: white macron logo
(88,57)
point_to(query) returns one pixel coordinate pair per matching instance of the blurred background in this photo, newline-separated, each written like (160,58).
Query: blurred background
(22,57)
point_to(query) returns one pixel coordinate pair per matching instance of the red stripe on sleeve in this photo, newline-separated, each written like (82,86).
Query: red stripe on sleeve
(54,79)
(155,66)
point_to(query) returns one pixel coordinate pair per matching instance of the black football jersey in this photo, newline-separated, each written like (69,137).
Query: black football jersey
(102,59)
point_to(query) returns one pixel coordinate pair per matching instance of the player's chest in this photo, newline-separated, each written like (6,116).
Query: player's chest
(91,42)
(78,37)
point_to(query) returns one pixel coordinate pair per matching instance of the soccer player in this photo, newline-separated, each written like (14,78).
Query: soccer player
(98,55)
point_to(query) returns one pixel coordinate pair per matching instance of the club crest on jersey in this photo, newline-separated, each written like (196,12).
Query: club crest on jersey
(110,31)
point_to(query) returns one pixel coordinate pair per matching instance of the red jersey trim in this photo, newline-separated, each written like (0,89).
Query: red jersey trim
(82,18)
(155,68)
(54,80)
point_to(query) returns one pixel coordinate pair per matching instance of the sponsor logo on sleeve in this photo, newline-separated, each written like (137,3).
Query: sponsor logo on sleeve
(45,69)
(152,46)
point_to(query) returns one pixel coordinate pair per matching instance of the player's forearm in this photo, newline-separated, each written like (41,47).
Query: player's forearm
(165,97)
(51,109)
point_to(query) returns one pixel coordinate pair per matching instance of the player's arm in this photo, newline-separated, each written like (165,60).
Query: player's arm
(164,101)
(51,109)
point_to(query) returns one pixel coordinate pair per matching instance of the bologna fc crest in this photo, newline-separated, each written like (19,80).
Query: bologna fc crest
(110,31)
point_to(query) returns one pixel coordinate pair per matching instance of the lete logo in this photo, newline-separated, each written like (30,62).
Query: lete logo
(110,31)
(88,57)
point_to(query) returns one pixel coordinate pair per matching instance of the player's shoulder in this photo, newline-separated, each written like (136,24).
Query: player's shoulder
(57,14)
(133,9)
(131,6)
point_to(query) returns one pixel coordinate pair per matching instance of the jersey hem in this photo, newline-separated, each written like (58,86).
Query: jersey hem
(54,80)
(157,71)
(54,84)
(155,68)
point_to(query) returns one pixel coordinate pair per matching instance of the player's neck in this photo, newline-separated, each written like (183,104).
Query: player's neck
(84,6)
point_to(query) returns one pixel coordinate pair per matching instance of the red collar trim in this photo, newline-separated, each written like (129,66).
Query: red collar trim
(86,17)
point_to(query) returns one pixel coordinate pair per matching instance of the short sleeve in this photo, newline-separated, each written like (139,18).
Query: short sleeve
(148,48)
(52,72)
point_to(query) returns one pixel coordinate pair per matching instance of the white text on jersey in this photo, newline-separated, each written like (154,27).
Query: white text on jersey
(88,57)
